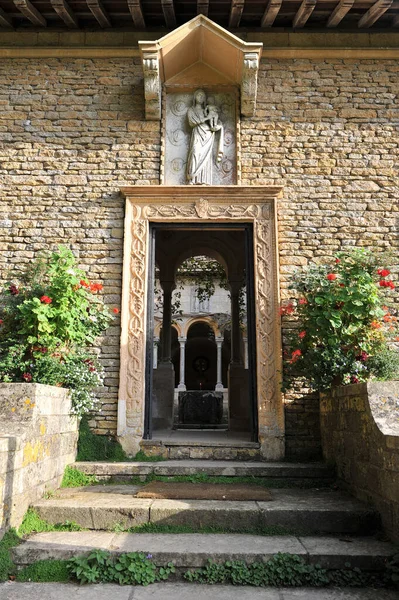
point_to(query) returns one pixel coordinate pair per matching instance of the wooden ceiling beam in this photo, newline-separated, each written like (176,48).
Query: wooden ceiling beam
(339,12)
(5,19)
(374,13)
(271,12)
(30,12)
(64,11)
(169,13)
(237,6)
(137,13)
(202,7)
(304,12)
(99,13)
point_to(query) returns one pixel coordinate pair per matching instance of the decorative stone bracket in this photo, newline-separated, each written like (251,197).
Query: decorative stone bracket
(199,53)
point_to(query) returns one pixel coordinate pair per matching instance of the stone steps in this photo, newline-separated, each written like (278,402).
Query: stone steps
(319,511)
(203,449)
(193,550)
(275,471)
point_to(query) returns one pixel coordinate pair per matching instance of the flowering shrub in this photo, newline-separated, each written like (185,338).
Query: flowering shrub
(47,321)
(347,332)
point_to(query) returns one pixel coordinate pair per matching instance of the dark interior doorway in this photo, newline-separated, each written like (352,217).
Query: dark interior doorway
(201,346)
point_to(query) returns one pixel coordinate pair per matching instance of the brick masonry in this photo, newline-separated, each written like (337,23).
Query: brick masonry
(72,132)
(360,435)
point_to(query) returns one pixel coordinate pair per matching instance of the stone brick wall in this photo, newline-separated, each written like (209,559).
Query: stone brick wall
(37,440)
(72,132)
(360,435)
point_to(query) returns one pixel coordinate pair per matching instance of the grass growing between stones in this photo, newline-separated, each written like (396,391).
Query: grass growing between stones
(142,457)
(45,571)
(161,528)
(205,478)
(92,447)
(33,523)
(75,478)
(7,567)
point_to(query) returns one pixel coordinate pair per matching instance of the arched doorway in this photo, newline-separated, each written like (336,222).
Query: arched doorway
(202,375)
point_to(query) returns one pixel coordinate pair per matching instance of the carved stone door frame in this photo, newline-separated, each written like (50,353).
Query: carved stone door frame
(207,204)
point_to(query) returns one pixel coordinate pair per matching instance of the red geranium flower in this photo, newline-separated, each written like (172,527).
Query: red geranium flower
(303,301)
(14,291)
(95,287)
(295,355)
(354,379)
(1,321)
(331,276)
(337,261)
(375,324)
(302,334)
(288,309)
(84,283)
(116,311)
(383,272)
(27,377)
(46,300)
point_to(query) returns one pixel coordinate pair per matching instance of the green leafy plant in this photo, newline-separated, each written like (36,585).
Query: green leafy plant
(93,447)
(131,568)
(346,332)
(7,567)
(49,317)
(33,523)
(288,570)
(75,478)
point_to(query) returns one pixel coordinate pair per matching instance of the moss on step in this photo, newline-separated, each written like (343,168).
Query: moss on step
(44,571)
(92,447)
(33,523)
(75,478)
(7,567)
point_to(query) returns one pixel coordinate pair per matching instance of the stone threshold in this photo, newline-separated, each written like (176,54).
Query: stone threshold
(226,468)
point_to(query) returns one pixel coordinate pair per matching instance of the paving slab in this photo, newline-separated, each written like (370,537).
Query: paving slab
(181,591)
(321,511)
(193,550)
(308,511)
(95,510)
(206,513)
(364,553)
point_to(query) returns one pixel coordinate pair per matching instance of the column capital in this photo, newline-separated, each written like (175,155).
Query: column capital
(167,285)
(182,339)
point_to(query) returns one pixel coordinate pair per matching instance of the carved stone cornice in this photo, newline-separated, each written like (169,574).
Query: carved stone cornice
(200,53)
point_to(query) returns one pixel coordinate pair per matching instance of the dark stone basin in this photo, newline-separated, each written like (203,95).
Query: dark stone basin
(200,408)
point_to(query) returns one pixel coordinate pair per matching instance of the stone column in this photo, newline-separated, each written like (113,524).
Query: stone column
(239,409)
(245,352)
(163,387)
(219,383)
(182,386)
(235,287)
(155,355)
(168,287)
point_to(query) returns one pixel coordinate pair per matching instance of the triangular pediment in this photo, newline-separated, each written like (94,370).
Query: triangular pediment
(195,51)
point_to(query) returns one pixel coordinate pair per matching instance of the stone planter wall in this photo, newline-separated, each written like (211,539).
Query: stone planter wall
(360,435)
(38,439)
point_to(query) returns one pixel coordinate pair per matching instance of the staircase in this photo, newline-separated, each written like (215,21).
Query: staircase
(307,516)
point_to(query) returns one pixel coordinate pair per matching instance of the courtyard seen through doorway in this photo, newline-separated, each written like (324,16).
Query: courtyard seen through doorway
(201,382)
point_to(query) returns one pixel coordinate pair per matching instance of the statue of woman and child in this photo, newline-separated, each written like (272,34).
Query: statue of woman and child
(203,118)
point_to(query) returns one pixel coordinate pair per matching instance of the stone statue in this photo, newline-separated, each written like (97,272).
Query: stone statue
(203,118)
